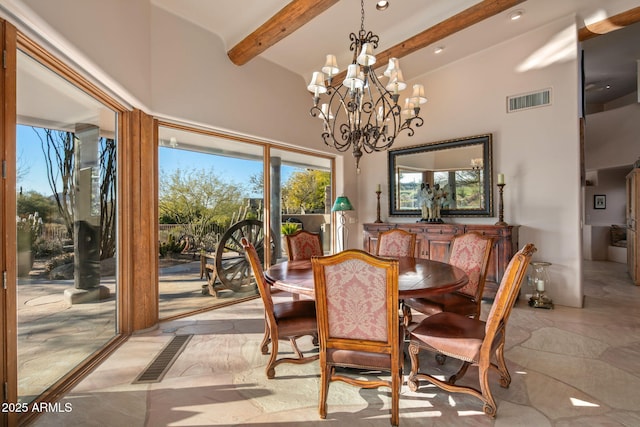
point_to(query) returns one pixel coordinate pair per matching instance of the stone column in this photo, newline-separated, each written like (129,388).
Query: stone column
(276,204)
(86,235)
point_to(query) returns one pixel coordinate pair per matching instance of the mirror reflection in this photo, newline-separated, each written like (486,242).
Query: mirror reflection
(446,178)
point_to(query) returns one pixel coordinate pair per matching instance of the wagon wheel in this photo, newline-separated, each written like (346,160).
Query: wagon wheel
(232,267)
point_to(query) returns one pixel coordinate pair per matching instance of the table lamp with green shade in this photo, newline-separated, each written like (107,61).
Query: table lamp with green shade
(341,205)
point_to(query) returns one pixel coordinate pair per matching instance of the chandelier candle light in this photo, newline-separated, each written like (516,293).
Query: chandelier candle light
(360,112)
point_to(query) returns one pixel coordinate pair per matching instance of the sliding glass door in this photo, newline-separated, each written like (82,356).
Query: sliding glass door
(210,194)
(66,246)
(301,196)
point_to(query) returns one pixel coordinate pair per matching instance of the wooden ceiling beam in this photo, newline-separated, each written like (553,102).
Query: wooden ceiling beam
(613,23)
(285,22)
(468,17)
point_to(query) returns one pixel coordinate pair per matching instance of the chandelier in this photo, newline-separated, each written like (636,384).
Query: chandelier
(360,112)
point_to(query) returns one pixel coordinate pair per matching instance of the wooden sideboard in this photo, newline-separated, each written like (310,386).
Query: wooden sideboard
(433,242)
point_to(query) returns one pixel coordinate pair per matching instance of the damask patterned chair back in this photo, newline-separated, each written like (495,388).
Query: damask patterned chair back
(303,245)
(358,321)
(396,243)
(470,252)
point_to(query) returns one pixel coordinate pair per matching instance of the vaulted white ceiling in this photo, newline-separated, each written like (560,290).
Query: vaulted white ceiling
(303,51)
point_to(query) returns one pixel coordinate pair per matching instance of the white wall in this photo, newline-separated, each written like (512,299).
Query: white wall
(537,149)
(193,79)
(612,184)
(595,242)
(113,35)
(612,137)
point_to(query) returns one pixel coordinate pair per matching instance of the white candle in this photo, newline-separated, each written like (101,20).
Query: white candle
(378,188)
(500,178)
(540,285)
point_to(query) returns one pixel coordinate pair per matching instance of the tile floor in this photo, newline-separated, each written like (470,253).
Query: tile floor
(570,367)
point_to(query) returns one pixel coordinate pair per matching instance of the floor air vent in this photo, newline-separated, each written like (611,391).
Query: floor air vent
(528,100)
(163,361)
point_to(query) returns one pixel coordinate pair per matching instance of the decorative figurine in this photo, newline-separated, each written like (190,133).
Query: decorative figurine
(431,201)
(426,199)
(439,198)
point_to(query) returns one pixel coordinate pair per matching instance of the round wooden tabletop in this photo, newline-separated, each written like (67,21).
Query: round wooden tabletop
(417,277)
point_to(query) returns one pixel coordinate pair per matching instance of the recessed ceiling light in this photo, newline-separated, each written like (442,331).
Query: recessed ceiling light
(438,49)
(382,5)
(515,15)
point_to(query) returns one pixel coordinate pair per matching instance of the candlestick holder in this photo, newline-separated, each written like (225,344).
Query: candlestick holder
(539,281)
(378,220)
(500,205)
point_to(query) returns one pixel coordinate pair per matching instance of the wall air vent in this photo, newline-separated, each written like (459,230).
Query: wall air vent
(528,100)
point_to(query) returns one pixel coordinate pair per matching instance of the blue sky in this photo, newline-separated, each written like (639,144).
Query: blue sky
(231,170)
(31,170)
(32,167)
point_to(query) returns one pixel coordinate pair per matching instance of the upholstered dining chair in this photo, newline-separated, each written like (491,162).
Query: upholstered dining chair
(358,322)
(303,245)
(470,340)
(470,252)
(396,243)
(288,320)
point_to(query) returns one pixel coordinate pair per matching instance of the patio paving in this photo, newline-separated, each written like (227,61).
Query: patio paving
(55,336)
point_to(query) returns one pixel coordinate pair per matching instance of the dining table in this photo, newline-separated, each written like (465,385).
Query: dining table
(417,277)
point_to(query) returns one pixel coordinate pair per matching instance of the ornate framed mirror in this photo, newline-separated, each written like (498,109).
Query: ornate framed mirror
(461,167)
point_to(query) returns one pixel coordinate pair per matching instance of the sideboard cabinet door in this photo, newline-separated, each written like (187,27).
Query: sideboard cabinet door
(435,240)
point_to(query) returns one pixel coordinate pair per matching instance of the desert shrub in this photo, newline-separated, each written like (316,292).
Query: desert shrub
(44,248)
(289,228)
(171,246)
(57,261)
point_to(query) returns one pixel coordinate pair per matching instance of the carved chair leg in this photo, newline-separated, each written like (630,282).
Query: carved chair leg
(407,317)
(271,370)
(412,381)
(294,345)
(264,346)
(396,383)
(489,406)
(461,372)
(325,375)
(505,377)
